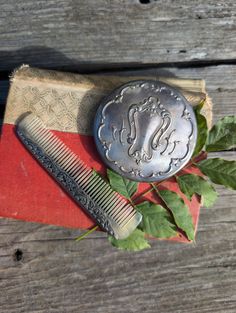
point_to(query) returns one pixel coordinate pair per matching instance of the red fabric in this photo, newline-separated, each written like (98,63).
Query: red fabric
(28,193)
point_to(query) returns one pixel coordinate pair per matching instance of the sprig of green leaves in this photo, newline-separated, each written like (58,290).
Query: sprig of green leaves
(157,220)
(165,221)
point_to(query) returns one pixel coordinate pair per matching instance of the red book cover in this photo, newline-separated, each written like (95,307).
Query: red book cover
(27,192)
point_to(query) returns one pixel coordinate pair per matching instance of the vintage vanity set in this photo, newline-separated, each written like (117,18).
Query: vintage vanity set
(144,130)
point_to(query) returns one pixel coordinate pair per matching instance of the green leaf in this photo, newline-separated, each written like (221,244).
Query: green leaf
(156,220)
(202,129)
(219,171)
(190,184)
(135,242)
(180,211)
(122,185)
(222,136)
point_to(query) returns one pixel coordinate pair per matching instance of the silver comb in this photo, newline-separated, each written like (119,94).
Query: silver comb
(110,211)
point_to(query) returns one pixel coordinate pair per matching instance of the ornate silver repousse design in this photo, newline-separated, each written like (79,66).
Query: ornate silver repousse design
(145,130)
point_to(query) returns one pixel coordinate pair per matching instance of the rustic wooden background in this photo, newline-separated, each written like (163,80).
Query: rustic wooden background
(42,269)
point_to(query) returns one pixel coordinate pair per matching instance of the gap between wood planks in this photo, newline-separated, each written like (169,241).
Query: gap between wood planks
(96,68)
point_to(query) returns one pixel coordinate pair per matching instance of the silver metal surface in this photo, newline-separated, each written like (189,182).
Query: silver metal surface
(145,130)
(111,211)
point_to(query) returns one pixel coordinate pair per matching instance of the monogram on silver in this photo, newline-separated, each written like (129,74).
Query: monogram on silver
(145,130)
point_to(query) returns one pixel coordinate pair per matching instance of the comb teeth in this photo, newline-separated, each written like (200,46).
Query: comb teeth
(87,188)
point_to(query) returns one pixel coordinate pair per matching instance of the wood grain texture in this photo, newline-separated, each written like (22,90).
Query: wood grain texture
(72,34)
(56,274)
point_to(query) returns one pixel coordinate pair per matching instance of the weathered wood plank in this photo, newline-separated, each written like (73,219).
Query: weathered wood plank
(57,274)
(71,34)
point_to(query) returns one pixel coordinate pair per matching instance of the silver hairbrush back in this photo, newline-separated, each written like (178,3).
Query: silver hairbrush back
(111,212)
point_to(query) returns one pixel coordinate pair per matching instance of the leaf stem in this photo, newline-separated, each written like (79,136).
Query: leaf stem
(176,177)
(87,233)
(144,193)
(192,162)
(132,202)
(155,188)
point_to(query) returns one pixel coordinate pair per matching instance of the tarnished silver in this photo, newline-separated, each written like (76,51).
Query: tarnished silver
(145,130)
